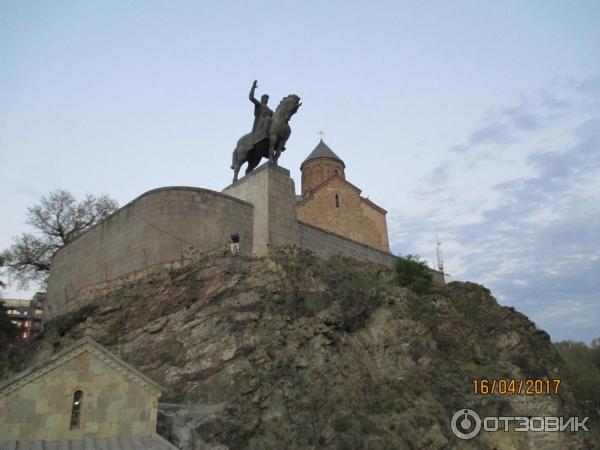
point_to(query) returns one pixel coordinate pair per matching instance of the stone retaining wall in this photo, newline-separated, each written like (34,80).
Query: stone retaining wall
(325,244)
(161,226)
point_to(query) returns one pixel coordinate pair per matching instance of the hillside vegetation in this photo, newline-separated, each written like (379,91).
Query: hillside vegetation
(294,352)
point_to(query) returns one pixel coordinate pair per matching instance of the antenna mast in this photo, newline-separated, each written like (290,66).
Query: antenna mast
(438,254)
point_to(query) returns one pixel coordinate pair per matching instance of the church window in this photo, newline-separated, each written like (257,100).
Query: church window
(76,409)
(337,201)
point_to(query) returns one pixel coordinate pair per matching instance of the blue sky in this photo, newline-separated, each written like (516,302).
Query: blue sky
(476,121)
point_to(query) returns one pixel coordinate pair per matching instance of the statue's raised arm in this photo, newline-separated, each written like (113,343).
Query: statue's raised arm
(262,112)
(252,90)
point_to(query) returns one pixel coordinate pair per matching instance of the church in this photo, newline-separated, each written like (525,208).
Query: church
(83,396)
(331,202)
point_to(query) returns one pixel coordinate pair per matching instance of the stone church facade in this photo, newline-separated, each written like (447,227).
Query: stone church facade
(331,202)
(83,393)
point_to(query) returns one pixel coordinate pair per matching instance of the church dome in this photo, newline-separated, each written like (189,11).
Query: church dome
(319,166)
(322,150)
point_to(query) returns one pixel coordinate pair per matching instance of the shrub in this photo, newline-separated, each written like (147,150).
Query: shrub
(414,274)
(582,370)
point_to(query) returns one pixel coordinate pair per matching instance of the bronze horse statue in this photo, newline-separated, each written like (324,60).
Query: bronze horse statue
(268,143)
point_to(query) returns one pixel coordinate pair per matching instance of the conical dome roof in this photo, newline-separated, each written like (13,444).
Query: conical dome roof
(322,150)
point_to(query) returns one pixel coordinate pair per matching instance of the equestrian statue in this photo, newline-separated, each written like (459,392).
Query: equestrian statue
(269,134)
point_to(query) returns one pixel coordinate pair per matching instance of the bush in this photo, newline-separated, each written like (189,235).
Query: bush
(413,274)
(583,370)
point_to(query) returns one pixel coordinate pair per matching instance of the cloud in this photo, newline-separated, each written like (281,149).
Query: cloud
(531,235)
(434,181)
(503,126)
(440,173)
(589,85)
(557,171)
(511,124)
(552,103)
(496,133)
(521,116)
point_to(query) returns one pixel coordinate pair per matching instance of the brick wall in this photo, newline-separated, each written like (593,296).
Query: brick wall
(160,226)
(325,244)
(319,170)
(379,221)
(349,216)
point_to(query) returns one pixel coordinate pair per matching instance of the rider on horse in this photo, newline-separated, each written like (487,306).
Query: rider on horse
(269,134)
(262,116)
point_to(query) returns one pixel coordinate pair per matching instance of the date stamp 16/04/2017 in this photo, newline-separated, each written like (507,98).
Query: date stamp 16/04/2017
(511,386)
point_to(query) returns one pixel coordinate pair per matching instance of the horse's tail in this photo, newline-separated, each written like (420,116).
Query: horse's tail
(234,158)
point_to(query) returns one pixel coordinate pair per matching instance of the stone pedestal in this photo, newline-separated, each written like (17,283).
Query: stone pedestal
(271,190)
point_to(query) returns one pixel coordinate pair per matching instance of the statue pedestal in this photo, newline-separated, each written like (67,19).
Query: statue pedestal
(271,190)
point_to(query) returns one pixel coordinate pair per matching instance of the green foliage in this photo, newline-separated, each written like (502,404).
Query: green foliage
(414,274)
(583,369)
(8,332)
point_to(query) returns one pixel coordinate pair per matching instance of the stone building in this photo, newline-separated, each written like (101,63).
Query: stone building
(331,202)
(82,397)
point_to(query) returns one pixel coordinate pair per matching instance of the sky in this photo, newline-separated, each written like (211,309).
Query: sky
(478,122)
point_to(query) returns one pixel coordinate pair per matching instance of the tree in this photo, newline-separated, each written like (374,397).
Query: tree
(582,369)
(414,274)
(58,220)
(2,284)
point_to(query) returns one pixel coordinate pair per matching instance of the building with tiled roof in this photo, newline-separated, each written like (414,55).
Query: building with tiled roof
(83,397)
(329,201)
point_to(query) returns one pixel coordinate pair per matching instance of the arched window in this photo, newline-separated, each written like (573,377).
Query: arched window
(337,201)
(76,409)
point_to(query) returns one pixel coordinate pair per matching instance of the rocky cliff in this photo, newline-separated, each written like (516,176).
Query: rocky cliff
(293,352)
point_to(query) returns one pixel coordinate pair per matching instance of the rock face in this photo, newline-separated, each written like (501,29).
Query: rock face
(290,351)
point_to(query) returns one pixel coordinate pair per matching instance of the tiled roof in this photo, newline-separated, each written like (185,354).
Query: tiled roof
(322,150)
(154,442)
